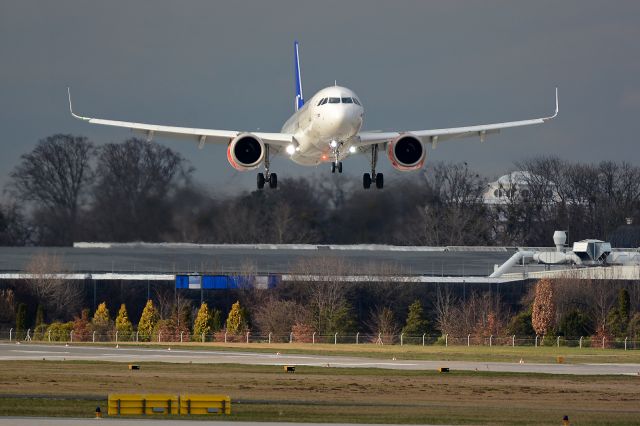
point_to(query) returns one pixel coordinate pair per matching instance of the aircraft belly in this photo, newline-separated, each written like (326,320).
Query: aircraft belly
(307,159)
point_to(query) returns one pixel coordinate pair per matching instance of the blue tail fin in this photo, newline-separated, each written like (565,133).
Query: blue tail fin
(296,62)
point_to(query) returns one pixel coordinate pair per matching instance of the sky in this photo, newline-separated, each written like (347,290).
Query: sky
(414,64)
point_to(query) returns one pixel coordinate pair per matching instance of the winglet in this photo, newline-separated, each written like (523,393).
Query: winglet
(71,108)
(555,114)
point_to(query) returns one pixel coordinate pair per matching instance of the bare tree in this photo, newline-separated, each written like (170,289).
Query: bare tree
(134,180)
(14,230)
(54,176)
(7,306)
(165,302)
(61,297)
(453,213)
(445,310)
(383,325)
(602,298)
(330,311)
(278,316)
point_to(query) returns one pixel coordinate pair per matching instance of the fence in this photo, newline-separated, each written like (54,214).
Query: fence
(626,343)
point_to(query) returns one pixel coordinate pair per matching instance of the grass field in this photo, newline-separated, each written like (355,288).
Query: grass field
(66,388)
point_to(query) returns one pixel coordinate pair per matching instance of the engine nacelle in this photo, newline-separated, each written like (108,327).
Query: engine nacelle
(245,152)
(406,152)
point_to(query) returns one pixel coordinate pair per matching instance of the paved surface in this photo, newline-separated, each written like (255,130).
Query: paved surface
(267,259)
(9,351)
(22,421)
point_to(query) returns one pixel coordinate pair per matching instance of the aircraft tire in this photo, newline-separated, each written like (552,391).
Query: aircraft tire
(273,181)
(366,181)
(261,180)
(379,180)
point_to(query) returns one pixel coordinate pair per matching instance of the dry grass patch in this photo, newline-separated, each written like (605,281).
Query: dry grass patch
(319,394)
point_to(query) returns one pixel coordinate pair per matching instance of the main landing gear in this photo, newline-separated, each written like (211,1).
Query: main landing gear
(267,176)
(378,178)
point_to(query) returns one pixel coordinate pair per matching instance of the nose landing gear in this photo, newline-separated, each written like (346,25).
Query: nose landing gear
(337,164)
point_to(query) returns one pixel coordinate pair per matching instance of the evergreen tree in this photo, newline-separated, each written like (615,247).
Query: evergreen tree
(216,320)
(148,321)
(575,323)
(101,315)
(21,318)
(618,318)
(624,303)
(39,315)
(101,321)
(520,325)
(341,321)
(202,323)
(634,326)
(236,321)
(41,326)
(415,323)
(123,324)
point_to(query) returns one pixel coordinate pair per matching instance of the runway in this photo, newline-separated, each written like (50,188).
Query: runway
(136,355)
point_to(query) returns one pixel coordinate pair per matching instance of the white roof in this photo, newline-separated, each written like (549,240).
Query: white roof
(517,177)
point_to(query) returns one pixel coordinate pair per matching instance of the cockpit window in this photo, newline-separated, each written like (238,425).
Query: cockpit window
(356,101)
(334,100)
(347,101)
(322,101)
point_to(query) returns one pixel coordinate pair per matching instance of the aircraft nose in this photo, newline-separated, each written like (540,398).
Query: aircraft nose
(344,114)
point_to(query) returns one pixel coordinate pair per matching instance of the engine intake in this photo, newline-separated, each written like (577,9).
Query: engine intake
(245,152)
(406,152)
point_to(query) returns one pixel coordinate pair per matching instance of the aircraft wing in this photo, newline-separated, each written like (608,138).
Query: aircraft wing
(438,135)
(201,136)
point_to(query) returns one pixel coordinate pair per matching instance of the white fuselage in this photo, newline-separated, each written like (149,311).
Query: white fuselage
(325,126)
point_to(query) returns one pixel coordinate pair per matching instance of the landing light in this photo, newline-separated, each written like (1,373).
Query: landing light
(352,149)
(291,149)
(333,144)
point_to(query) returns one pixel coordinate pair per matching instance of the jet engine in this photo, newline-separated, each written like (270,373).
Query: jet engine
(406,152)
(245,152)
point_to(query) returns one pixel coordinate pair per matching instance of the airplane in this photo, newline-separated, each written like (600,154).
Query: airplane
(326,128)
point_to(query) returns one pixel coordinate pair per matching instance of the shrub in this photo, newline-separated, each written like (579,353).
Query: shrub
(40,332)
(169,331)
(81,327)
(302,333)
(60,332)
